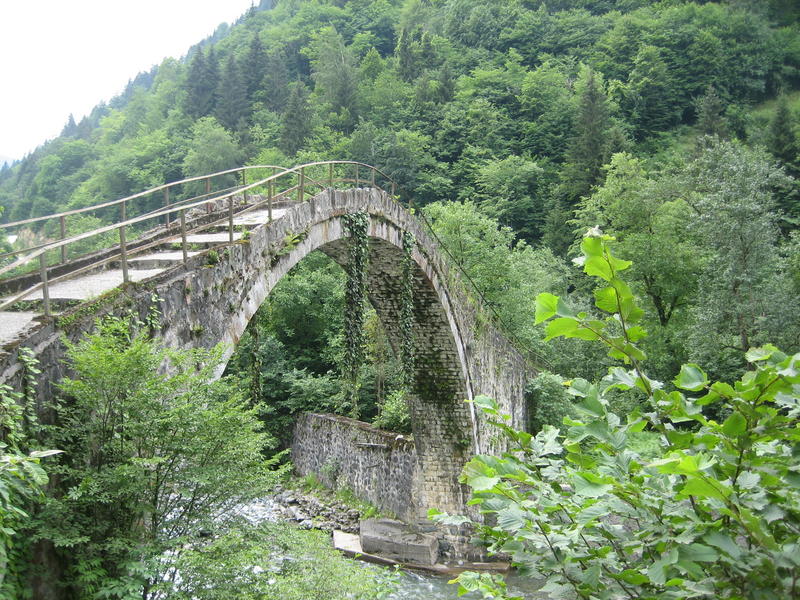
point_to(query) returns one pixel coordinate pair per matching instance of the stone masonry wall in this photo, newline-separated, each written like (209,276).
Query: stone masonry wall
(378,466)
(459,354)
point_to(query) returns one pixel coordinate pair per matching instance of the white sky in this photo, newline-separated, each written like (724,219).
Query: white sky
(65,56)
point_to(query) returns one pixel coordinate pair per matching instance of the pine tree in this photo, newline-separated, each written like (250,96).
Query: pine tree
(201,84)
(296,120)
(254,66)
(710,114)
(651,99)
(84,129)
(782,139)
(334,71)
(194,104)
(275,88)
(588,150)
(447,85)
(231,98)
(71,128)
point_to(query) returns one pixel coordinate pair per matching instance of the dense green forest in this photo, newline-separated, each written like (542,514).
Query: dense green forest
(515,126)
(645,118)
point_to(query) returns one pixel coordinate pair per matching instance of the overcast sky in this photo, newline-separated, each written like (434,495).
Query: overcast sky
(65,56)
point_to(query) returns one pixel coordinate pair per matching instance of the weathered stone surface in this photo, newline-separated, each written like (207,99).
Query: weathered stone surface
(378,466)
(459,355)
(392,539)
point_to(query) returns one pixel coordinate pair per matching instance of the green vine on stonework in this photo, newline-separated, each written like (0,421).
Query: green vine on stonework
(407,310)
(356,225)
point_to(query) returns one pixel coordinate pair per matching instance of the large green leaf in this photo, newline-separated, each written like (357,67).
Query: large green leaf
(481,483)
(545,307)
(735,425)
(691,378)
(703,488)
(597,266)
(511,519)
(606,299)
(590,485)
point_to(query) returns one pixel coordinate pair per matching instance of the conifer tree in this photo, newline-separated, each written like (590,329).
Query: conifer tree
(296,120)
(194,85)
(201,84)
(254,66)
(651,99)
(275,88)
(710,114)
(334,72)
(782,139)
(588,150)
(231,97)
(70,128)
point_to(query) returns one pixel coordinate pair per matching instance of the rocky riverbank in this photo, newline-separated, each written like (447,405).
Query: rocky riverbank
(305,509)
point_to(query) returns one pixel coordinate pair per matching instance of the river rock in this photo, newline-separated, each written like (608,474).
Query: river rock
(392,539)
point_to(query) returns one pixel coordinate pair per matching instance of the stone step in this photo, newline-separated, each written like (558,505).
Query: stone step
(201,240)
(393,539)
(91,285)
(13,324)
(155,260)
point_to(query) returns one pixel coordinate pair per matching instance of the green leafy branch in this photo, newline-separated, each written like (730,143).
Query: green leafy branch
(357,226)
(715,514)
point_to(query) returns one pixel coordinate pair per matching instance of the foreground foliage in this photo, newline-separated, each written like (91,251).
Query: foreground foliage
(274,561)
(715,515)
(22,478)
(150,461)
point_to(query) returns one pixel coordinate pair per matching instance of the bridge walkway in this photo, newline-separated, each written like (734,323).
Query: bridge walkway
(86,286)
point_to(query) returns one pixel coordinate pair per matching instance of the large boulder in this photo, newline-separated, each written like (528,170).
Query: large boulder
(392,539)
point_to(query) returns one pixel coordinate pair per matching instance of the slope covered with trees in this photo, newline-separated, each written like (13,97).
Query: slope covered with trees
(516,126)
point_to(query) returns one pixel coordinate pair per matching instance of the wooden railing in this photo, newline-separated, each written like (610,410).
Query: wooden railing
(282,184)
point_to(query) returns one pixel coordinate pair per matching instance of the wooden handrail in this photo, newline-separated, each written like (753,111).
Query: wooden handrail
(180,207)
(134,196)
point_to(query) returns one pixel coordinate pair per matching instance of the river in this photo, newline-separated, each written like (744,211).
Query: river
(415,586)
(411,585)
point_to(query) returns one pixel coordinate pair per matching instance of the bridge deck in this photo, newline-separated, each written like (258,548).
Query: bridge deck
(140,267)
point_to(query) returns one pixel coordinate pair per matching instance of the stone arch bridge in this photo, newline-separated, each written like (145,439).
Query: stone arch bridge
(208,295)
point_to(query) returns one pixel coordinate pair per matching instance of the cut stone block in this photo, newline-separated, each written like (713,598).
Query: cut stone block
(392,539)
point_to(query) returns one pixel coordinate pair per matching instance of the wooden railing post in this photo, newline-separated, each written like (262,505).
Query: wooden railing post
(358,182)
(123,253)
(244,184)
(208,185)
(45,289)
(166,205)
(63,223)
(183,237)
(230,218)
(270,192)
(301,184)
(123,247)
(330,174)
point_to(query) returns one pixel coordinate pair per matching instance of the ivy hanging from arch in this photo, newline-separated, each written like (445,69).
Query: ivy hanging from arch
(407,310)
(356,225)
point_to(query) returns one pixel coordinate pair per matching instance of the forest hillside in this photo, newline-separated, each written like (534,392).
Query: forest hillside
(517,124)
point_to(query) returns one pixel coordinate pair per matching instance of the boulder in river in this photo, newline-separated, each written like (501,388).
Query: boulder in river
(392,539)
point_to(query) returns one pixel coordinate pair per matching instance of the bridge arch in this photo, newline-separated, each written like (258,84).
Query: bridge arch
(458,353)
(219,301)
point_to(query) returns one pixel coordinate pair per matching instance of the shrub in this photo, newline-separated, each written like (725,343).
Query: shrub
(547,400)
(150,460)
(716,515)
(274,561)
(393,414)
